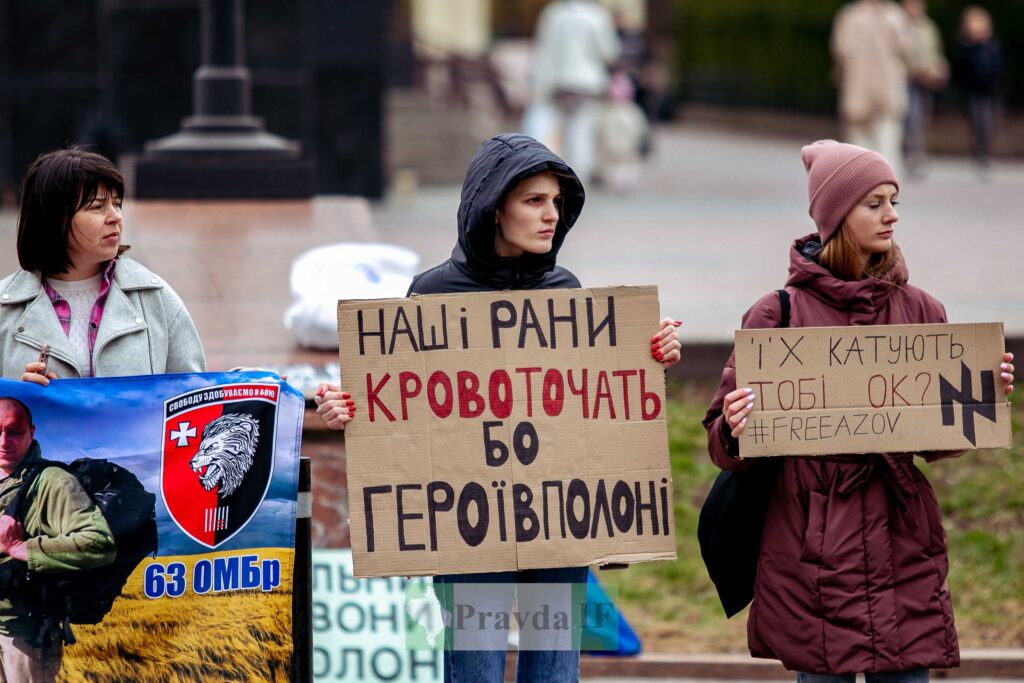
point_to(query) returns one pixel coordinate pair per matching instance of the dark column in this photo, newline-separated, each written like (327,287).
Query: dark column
(7,180)
(302,585)
(222,151)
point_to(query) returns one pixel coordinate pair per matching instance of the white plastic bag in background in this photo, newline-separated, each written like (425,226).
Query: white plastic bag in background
(348,270)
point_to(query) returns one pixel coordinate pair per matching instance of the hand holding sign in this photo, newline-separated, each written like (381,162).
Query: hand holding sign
(1007,372)
(736,407)
(36,372)
(334,406)
(665,345)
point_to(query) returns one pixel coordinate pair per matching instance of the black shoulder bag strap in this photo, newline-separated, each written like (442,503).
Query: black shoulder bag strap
(731,520)
(784,308)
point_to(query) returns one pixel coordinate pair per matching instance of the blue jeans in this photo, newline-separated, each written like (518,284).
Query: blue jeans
(487,664)
(908,676)
(982,110)
(920,101)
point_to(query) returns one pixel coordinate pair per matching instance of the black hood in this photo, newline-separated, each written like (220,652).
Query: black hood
(497,167)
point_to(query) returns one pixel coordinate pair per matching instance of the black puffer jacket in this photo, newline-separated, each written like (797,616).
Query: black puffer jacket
(497,167)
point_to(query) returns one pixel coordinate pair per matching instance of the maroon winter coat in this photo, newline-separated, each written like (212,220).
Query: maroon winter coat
(852,573)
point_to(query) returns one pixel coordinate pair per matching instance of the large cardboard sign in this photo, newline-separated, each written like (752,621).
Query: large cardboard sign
(873,389)
(217,457)
(505,430)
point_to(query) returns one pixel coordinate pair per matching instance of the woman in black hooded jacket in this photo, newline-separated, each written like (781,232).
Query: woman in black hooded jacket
(519,201)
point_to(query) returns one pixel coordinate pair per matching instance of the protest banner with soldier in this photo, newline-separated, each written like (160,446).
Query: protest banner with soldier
(179,517)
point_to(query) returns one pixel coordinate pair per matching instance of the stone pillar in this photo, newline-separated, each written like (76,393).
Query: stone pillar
(222,151)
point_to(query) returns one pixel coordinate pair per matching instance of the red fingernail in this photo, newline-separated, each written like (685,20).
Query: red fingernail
(320,391)
(345,395)
(655,338)
(678,322)
(657,354)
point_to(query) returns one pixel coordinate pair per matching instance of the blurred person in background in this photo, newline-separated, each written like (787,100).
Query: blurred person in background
(654,94)
(977,68)
(928,73)
(632,44)
(574,45)
(869,48)
(623,135)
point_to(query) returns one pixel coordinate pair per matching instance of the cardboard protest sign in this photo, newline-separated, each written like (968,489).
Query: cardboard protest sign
(505,430)
(873,389)
(215,460)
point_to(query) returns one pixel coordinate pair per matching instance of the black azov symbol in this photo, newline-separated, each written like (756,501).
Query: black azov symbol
(986,407)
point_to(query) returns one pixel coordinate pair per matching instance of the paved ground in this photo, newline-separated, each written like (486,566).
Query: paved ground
(976,666)
(230,261)
(714,217)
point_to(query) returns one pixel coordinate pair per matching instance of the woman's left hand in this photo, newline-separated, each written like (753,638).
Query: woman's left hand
(665,346)
(36,373)
(1006,371)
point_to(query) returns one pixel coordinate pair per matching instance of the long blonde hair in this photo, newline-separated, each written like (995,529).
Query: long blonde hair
(841,256)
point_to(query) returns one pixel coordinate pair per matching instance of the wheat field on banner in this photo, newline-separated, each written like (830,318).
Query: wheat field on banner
(240,635)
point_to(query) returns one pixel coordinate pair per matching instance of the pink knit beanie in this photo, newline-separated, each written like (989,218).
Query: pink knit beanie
(838,176)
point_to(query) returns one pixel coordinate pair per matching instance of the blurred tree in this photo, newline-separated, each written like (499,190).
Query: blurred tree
(776,54)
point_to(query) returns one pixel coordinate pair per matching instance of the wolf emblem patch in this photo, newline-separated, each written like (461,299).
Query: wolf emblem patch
(218,456)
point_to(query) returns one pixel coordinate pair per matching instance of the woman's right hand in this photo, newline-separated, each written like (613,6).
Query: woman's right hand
(736,406)
(36,373)
(334,406)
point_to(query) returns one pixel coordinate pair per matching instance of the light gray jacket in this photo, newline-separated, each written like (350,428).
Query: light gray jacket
(145,329)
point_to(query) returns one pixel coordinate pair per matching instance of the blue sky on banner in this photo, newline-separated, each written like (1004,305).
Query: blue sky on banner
(121,419)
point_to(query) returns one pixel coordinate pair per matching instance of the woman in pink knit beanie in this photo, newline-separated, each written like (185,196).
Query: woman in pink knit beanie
(851,575)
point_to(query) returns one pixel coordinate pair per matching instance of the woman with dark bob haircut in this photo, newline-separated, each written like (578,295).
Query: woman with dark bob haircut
(99,313)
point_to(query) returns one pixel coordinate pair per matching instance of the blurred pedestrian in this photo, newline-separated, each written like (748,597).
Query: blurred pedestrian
(655,83)
(977,67)
(632,43)
(574,46)
(623,136)
(928,73)
(851,574)
(869,51)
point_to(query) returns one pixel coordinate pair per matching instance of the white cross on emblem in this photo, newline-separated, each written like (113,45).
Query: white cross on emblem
(182,433)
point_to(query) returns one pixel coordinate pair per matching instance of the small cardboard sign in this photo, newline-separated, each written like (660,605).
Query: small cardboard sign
(505,430)
(873,389)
